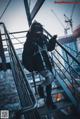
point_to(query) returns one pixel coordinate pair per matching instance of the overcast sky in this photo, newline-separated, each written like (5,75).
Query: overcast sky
(15,16)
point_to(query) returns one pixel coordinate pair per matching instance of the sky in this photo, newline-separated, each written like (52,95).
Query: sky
(15,17)
(51,22)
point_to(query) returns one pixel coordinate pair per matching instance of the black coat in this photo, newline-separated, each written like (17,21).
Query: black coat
(31,58)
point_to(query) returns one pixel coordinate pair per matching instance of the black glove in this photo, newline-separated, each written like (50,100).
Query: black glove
(54,37)
(52,43)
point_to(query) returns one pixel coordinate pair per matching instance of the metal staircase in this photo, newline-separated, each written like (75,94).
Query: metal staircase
(66,85)
(28,107)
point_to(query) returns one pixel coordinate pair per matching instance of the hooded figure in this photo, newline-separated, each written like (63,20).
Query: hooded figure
(35,57)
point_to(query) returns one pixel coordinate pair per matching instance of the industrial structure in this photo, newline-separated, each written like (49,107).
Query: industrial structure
(18,87)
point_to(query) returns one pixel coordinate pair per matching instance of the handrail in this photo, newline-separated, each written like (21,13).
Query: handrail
(67,63)
(73,61)
(74,97)
(26,109)
(33,105)
(75,51)
(66,71)
(14,32)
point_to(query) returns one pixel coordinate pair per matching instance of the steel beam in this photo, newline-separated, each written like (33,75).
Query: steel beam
(36,8)
(27,11)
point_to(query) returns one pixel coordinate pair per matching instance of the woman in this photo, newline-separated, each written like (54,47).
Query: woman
(35,58)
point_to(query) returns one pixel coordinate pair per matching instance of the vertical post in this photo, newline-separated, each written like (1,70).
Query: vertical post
(27,12)
(34,83)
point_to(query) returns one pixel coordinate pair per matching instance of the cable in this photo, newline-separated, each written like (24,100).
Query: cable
(69,20)
(2,2)
(57,18)
(72,11)
(5,9)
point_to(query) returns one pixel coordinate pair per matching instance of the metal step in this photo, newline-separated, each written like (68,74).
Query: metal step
(51,114)
(61,112)
(66,89)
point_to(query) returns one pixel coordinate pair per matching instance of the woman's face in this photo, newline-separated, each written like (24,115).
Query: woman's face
(37,29)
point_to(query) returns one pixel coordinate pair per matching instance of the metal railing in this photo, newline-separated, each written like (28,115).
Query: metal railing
(67,73)
(27,99)
(63,69)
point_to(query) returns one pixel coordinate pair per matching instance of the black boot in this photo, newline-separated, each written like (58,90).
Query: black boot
(41,91)
(49,100)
